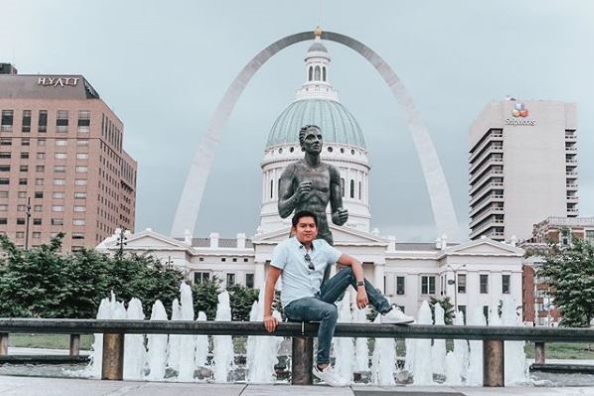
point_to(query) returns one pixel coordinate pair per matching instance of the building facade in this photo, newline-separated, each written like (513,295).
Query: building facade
(62,163)
(523,167)
(538,300)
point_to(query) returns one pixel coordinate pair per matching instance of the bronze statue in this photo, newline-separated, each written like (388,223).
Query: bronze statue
(310,184)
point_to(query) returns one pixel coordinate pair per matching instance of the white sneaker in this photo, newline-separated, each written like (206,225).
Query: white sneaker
(329,376)
(396,316)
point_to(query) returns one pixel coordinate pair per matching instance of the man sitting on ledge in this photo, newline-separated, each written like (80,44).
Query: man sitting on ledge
(302,260)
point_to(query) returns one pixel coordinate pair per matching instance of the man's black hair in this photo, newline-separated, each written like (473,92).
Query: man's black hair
(303,213)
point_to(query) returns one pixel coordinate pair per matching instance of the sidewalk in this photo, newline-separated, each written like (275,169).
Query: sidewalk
(33,386)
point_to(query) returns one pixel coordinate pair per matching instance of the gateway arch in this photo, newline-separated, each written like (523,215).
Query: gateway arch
(441,202)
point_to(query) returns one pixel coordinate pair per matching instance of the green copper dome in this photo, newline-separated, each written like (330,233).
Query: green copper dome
(337,123)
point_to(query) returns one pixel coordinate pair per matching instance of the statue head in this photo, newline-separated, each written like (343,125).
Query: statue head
(310,139)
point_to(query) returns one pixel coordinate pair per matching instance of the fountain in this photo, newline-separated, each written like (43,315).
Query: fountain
(134,350)
(461,354)
(201,357)
(173,348)
(475,368)
(157,346)
(223,344)
(438,350)
(187,342)
(383,360)
(422,350)
(344,349)
(361,346)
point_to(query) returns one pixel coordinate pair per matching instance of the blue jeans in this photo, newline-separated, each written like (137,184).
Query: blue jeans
(321,308)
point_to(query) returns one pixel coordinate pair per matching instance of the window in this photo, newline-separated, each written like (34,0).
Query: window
(42,121)
(21,208)
(84,121)
(78,222)
(40,156)
(61,142)
(230,279)
(62,121)
(223,259)
(400,285)
(245,260)
(7,118)
(505,280)
(38,208)
(26,124)
(80,182)
(39,182)
(80,208)
(484,284)
(22,194)
(342,186)
(24,155)
(25,142)
(82,142)
(60,169)
(486,313)
(57,222)
(5,154)
(57,208)
(78,235)
(36,234)
(3,208)
(3,194)
(41,142)
(80,195)
(200,277)
(24,168)
(352,188)
(4,168)
(5,142)
(59,182)
(82,156)
(40,168)
(461,283)
(60,156)
(249,280)
(428,285)
(38,194)
(37,221)
(21,221)
(4,180)
(58,195)
(23,181)
(20,235)
(82,169)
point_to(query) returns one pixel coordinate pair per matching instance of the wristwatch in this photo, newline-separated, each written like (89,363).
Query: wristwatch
(360,283)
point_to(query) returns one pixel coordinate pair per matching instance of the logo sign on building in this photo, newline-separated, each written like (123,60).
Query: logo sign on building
(519,112)
(58,81)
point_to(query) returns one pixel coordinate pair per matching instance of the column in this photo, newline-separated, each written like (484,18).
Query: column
(379,270)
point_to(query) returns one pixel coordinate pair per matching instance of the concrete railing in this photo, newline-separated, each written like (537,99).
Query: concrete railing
(302,334)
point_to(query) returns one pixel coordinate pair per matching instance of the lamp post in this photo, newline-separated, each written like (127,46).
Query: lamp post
(121,241)
(455,283)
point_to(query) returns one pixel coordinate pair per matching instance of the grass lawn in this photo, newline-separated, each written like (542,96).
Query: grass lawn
(52,341)
(564,350)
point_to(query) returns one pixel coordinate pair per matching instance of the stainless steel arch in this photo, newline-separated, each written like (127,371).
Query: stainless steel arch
(191,198)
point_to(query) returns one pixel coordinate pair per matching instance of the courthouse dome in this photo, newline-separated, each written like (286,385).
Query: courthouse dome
(337,123)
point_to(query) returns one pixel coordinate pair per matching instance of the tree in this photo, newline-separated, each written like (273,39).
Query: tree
(569,272)
(205,295)
(241,302)
(447,306)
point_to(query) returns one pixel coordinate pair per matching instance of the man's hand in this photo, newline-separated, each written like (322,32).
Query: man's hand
(362,299)
(270,323)
(340,216)
(303,190)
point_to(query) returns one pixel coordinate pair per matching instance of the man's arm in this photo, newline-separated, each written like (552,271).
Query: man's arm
(355,264)
(270,321)
(339,214)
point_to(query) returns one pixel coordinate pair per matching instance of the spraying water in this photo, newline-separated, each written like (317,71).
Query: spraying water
(173,348)
(438,350)
(475,368)
(223,344)
(361,346)
(187,342)
(157,346)
(201,344)
(344,348)
(134,350)
(422,361)
(383,359)
(516,370)
(461,352)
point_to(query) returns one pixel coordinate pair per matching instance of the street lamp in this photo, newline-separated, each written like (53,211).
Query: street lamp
(455,283)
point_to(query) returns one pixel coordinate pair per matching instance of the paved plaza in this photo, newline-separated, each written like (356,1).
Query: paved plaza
(33,386)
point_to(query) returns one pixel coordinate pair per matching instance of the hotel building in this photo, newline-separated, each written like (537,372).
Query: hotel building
(523,167)
(62,163)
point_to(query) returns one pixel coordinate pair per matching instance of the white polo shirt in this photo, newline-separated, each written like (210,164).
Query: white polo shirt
(298,281)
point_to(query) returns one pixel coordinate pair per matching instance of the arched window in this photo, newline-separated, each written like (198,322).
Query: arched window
(342,186)
(317,73)
(310,73)
(271,187)
(360,191)
(352,188)
(323,74)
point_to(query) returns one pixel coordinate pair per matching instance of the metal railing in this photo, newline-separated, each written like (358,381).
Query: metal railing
(302,338)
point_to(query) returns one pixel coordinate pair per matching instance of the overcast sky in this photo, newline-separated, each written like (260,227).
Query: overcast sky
(163,66)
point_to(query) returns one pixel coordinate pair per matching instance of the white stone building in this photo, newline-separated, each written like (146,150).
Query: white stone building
(409,273)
